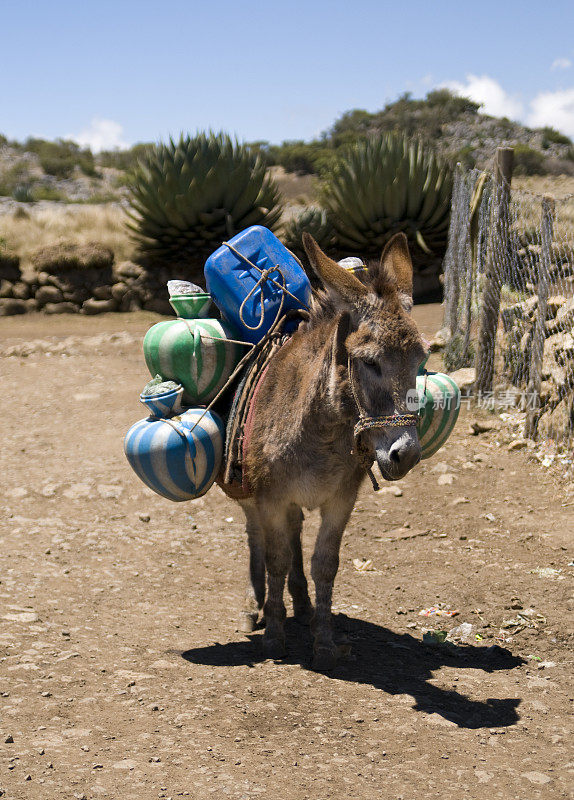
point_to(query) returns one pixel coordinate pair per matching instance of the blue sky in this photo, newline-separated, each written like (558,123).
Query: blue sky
(114,73)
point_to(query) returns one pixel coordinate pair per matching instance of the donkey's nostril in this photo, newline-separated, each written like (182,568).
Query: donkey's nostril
(395,454)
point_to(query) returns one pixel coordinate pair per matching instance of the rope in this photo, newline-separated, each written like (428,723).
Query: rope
(283,288)
(366,422)
(272,332)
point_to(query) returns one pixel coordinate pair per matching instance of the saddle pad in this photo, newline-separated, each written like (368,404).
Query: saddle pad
(231,477)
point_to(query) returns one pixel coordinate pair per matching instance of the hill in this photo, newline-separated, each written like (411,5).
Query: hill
(452,124)
(61,170)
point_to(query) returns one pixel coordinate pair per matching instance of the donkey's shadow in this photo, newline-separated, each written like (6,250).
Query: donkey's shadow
(393,662)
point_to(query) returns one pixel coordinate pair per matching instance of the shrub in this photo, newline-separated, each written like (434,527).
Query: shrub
(552,136)
(189,196)
(66,256)
(60,158)
(528,161)
(314,221)
(384,185)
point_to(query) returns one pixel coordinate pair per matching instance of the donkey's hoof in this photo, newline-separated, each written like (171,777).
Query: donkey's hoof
(274,647)
(247,622)
(324,659)
(303,614)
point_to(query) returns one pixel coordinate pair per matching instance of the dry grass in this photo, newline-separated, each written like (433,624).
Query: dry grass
(528,204)
(298,189)
(556,185)
(25,232)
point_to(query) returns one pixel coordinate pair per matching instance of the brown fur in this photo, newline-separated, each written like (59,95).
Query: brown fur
(300,452)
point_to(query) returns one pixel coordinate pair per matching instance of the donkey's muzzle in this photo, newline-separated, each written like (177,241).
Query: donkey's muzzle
(403,454)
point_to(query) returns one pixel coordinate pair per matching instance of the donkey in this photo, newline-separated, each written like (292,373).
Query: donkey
(332,401)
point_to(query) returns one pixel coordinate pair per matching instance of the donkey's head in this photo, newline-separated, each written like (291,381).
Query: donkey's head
(377,349)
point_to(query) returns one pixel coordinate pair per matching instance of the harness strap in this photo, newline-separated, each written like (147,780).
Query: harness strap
(367,422)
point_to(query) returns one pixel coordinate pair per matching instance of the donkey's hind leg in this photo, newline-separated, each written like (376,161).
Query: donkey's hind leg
(297,582)
(255,593)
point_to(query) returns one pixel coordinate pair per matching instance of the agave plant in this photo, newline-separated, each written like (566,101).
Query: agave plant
(388,184)
(312,220)
(187,197)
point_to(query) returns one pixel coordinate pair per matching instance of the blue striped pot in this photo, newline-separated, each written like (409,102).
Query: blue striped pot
(164,405)
(172,459)
(438,408)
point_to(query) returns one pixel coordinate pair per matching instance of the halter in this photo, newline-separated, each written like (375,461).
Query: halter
(367,422)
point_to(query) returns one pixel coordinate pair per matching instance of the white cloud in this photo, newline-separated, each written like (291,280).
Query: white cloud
(555,109)
(101,134)
(490,94)
(561,63)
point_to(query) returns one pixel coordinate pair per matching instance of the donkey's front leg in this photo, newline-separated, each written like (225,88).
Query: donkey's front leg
(324,566)
(275,523)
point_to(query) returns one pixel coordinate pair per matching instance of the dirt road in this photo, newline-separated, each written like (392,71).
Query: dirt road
(123,676)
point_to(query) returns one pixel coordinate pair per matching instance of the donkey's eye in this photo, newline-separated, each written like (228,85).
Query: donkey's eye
(371,363)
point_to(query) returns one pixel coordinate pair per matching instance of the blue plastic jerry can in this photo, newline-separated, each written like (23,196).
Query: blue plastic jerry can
(253,279)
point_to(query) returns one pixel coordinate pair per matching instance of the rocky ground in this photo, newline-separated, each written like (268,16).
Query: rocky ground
(123,675)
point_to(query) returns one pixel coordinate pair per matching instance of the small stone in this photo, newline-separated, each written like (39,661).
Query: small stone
(17,493)
(109,492)
(478,426)
(28,778)
(536,777)
(446,480)
(9,740)
(22,616)
(125,763)
(518,444)
(77,491)
(394,491)
(460,501)
(144,517)
(464,379)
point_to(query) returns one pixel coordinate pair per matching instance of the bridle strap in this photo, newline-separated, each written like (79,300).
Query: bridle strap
(366,422)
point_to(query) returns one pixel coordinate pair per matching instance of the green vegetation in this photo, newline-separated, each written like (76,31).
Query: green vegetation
(189,196)
(528,161)
(552,136)
(60,158)
(315,221)
(384,185)
(123,159)
(421,118)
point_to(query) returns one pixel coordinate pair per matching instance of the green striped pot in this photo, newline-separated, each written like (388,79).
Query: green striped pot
(193,352)
(438,410)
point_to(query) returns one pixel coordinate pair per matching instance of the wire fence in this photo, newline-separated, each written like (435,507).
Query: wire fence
(509,299)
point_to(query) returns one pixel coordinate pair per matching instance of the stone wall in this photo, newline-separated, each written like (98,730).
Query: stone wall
(81,279)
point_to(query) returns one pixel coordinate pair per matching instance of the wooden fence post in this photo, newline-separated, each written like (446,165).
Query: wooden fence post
(539,336)
(498,243)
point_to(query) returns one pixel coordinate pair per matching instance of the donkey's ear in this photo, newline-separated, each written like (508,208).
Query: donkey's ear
(332,274)
(396,260)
